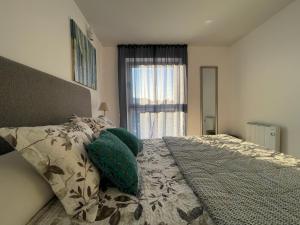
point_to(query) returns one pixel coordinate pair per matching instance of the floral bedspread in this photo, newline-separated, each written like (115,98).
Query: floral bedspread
(165,197)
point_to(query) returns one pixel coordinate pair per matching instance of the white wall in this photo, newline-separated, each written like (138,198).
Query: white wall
(266,65)
(208,56)
(109,90)
(37,33)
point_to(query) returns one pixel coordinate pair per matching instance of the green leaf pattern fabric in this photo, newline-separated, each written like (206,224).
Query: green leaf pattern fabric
(97,124)
(165,197)
(58,154)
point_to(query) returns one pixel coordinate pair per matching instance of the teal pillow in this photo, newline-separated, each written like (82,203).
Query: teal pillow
(135,144)
(115,161)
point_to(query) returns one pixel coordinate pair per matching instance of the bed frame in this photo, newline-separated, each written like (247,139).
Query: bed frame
(29,97)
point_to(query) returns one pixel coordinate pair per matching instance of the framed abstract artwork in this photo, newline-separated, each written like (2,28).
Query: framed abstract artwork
(83,58)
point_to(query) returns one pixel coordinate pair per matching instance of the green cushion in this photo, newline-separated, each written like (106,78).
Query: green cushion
(115,161)
(135,144)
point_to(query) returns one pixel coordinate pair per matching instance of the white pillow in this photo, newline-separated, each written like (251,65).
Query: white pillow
(58,154)
(20,183)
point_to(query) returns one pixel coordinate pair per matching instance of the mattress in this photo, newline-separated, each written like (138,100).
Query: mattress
(165,197)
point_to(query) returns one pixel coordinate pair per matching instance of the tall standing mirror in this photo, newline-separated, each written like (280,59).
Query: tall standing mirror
(209,99)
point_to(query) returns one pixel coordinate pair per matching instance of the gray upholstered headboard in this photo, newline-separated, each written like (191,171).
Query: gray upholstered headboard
(29,97)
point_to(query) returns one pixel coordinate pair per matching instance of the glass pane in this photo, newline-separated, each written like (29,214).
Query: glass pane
(156,101)
(158,84)
(157,125)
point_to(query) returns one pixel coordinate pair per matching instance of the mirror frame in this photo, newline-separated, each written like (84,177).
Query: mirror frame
(201,96)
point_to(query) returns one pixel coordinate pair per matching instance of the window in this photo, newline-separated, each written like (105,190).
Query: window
(155,96)
(156,100)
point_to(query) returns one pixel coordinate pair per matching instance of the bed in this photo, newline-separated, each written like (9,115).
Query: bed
(185,180)
(34,98)
(165,197)
(168,199)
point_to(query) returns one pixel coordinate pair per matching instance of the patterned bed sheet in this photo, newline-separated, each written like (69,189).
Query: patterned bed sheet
(165,197)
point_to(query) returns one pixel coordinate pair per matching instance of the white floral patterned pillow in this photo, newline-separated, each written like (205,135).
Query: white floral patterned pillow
(58,154)
(96,124)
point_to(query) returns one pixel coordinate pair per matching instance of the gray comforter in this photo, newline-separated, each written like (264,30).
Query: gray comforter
(238,182)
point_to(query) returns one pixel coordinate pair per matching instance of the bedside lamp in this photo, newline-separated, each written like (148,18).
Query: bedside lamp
(103,107)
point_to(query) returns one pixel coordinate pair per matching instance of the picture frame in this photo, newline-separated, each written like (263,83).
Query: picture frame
(83,58)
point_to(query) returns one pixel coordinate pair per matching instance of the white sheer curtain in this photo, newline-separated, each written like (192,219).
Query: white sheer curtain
(152,83)
(156,100)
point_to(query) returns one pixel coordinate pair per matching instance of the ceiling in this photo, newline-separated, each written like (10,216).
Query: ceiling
(195,22)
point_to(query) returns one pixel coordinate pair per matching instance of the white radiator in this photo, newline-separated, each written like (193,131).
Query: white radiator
(264,135)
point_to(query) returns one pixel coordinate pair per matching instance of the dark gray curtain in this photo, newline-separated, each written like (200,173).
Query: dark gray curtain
(152,89)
